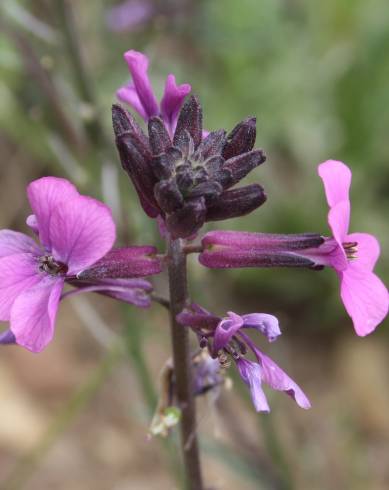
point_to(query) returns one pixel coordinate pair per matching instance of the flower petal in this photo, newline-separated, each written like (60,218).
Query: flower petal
(268,325)
(13,242)
(251,373)
(225,330)
(33,314)
(45,195)
(277,379)
(336,177)
(18,272)
(338,220)
(129,95)
(365,298)
(368,251)
(172,101)
(138,65)
(32,222)
(82,231)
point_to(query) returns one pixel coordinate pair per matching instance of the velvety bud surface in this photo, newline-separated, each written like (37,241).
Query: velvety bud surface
(186,179)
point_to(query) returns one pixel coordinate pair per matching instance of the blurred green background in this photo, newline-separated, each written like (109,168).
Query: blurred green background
(316,76)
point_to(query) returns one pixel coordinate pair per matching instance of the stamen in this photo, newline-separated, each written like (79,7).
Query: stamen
(49,265)
(351,249)
(224,359)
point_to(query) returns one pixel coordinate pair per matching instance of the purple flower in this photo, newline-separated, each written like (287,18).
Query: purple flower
(75,233)
(353,256)
(226,338)
(140,96)
(129,15)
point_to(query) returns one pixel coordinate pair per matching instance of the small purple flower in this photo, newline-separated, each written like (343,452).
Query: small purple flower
(140,96)
(129,15)
(76,233)
(225,338)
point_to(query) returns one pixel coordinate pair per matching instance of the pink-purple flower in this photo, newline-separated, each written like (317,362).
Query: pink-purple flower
(140,96)
(130,15)
(353,256)
(226,338)
(75,233)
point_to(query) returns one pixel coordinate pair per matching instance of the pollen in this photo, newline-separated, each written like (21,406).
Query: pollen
(351,249)
(49,265)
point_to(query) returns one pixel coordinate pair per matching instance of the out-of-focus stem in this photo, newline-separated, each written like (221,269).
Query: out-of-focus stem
(182,366)
(41,76)
(85,87)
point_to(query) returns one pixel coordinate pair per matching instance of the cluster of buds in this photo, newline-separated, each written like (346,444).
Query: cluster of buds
(187,179)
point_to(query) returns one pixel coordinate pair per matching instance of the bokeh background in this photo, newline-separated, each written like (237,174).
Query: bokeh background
(316,76)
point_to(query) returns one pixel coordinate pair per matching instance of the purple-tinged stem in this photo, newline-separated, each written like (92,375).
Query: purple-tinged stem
(182,366)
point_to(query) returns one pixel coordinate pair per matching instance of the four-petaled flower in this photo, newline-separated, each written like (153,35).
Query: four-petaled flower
(76,234)
(353,256)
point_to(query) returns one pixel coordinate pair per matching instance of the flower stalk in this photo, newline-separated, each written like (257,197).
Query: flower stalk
(182,367)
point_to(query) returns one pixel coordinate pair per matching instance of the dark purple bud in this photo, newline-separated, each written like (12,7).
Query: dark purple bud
(241,165)
(168,196)
(188,220)
(262,241)
(140,173)
(123,122)
(233,259)
(186,144)
(184,177)
(214,165)
(211,146)
(233,249)
(191,120)
(159,137)
(210,190)
(236,202)
(162,166)
(127,262)
(241,139)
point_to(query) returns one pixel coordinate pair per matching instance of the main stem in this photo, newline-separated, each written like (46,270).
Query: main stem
(182,366)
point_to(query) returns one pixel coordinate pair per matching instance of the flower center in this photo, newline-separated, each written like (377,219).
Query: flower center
(351,250)
(48,264)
